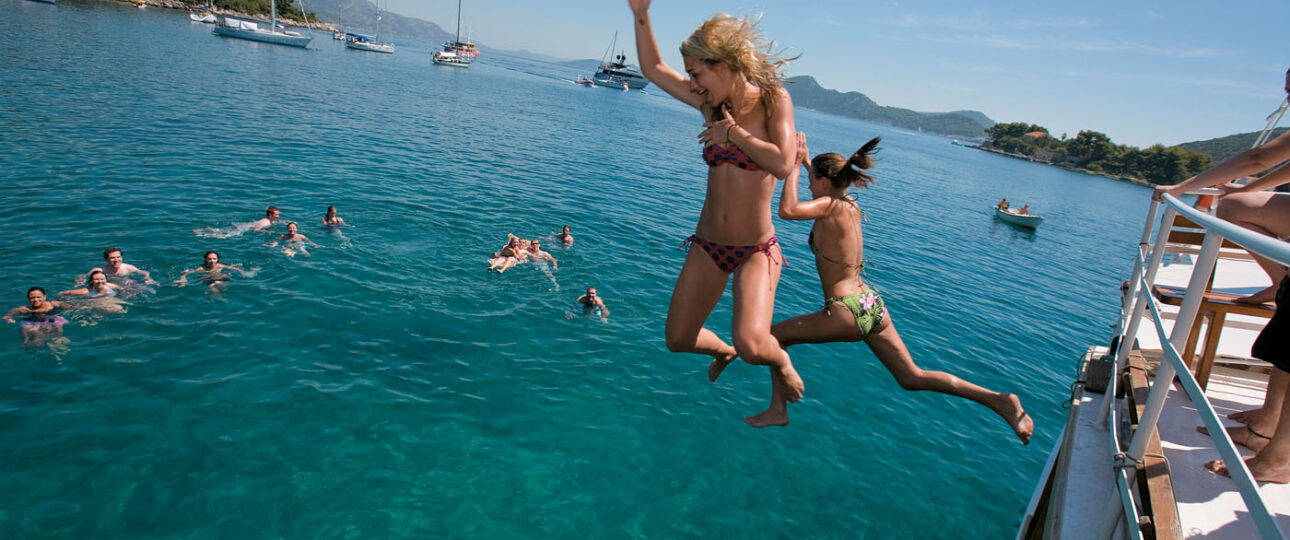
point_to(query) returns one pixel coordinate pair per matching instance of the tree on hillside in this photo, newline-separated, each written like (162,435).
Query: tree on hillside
(1012,129)
(1092,148)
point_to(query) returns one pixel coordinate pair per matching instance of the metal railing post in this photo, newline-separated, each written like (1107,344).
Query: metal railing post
(1140,306)
(1137,264)
(1182,328)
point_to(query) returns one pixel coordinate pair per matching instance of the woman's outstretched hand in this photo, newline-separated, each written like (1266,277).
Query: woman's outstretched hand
(803,155)
(718,131)
(638,5)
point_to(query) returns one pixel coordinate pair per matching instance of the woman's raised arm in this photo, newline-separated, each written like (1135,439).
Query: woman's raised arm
(651,61)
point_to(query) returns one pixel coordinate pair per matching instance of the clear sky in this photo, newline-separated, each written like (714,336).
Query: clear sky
(1142,72)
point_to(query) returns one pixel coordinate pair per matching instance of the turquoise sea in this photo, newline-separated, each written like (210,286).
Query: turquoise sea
(386,386)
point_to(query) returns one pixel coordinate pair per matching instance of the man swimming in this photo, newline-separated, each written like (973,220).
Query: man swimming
(535,252)
(565,237)
(270,216)
(590,301)
(116,270)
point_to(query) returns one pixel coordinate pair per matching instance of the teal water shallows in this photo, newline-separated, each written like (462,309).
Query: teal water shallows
(387,386)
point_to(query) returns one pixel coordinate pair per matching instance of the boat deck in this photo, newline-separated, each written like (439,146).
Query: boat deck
(1208,505)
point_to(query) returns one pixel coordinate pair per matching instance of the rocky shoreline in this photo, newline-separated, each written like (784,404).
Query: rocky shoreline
(1129,179)
(182,6)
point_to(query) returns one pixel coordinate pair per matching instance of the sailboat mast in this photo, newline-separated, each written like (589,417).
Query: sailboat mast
(273,16)
(458,21)
(612,43)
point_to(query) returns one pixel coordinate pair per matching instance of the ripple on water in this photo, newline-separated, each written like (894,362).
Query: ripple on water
(387,386)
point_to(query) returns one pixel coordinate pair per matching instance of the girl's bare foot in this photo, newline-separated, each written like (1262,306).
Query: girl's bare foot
(1262,472)
(718,365)
(1243,436)
(769,417)
(1016,416)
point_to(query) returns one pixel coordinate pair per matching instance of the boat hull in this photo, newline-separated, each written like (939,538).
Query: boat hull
(1029,222)
(202,18)
(387,48)
(266,37)
(449,59)
(616,81)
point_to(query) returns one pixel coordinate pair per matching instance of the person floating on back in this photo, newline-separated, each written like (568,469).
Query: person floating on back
(854,311)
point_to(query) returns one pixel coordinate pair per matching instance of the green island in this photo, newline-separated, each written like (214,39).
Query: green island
(1093,152)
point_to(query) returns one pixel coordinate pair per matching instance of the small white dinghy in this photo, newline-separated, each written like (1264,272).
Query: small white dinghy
(1025,220)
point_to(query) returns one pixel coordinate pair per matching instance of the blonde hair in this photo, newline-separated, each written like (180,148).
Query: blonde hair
(738,43)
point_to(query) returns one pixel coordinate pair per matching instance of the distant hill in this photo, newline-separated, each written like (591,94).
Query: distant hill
(1225,147)
(808,93)
(361,15)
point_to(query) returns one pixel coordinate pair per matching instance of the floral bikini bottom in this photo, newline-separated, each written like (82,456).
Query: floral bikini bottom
(867,307)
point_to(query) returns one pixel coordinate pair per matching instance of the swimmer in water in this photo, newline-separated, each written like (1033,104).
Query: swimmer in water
(116,270)
(535,252)
(99,294)
(270,217)
(41,322)
(330,219)
(294,240)
(565,237)
(590,301)
(507,257)
(215,279)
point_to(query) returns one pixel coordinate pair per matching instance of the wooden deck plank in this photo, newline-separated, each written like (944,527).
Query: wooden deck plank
(1159,496)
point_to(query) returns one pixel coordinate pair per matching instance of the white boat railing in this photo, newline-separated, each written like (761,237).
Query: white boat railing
(1172,364)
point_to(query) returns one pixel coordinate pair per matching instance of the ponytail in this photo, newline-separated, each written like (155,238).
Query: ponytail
(847,171)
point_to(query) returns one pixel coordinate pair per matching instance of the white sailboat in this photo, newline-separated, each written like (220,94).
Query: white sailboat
(253,30)
(360,42)
(455,53)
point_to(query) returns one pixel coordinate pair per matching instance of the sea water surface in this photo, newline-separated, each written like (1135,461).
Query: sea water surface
(386,386)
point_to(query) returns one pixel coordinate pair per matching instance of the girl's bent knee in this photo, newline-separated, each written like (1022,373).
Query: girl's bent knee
(761,353)
(680,343)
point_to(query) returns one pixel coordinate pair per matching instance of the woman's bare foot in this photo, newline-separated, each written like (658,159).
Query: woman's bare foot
(769,417)
(1262,472)
(1266,295)
(1246,417)
(1016,416)
(1243,436)
(793,385)
(718,365)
